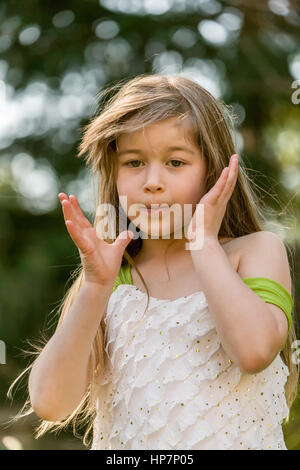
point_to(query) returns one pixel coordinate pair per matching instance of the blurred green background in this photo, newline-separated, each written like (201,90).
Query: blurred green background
(55,56)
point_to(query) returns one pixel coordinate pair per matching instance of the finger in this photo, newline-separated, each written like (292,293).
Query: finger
(232,177)
(123,239)
(225,185)
(218,188)
(70,213)
(78,211)
(74,233)
(66,208)
(62,196)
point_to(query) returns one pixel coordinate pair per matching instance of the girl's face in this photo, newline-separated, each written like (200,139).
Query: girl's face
(160,164)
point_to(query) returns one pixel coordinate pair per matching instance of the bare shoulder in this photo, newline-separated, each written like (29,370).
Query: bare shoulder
(263,254)
(234,246)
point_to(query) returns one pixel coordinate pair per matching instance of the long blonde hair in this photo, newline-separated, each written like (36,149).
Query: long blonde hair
(144,100)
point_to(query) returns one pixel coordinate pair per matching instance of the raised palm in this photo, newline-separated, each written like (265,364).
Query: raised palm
(215,203)
(101,260)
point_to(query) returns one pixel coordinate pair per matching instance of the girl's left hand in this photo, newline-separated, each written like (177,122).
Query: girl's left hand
(215,203)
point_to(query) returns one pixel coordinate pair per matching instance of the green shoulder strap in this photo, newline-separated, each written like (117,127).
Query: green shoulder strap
(274,293)
(124,276)
(270,291)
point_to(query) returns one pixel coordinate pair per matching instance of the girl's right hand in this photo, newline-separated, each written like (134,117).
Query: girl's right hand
(101,260)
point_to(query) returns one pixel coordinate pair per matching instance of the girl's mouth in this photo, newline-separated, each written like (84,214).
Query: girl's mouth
(156,209)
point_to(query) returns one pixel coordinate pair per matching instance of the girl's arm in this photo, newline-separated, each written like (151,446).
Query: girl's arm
(251,331)
(60,376)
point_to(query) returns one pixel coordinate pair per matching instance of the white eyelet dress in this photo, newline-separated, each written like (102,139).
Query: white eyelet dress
(170,385)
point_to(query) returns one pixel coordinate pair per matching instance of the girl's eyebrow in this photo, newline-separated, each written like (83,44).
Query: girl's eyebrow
(140,152)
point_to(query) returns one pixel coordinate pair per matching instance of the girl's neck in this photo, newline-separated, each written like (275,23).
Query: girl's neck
(157,249)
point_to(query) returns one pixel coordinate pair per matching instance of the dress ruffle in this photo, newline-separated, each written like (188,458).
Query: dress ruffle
(169,384)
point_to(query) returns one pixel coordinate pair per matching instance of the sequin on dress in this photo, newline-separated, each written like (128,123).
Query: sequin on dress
(170,385)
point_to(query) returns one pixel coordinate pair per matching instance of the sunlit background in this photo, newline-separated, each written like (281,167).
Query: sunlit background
(55,57)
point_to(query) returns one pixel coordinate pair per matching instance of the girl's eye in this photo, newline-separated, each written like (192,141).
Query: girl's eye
(178,161)
(138,161)
(133,161)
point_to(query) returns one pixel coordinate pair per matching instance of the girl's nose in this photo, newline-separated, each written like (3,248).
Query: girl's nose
(153,180)
(153,187)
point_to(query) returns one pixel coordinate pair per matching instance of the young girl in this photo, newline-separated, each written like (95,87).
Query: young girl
(161,345)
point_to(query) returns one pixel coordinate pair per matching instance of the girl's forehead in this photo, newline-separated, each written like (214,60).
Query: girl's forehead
(175,129)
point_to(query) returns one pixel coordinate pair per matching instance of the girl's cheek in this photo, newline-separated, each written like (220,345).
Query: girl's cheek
(194,192)
(198,187)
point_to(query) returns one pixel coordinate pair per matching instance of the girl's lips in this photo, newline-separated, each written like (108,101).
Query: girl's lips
(159,209)
(155,208)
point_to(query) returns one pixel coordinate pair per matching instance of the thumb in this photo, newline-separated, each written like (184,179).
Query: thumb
(124,239)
